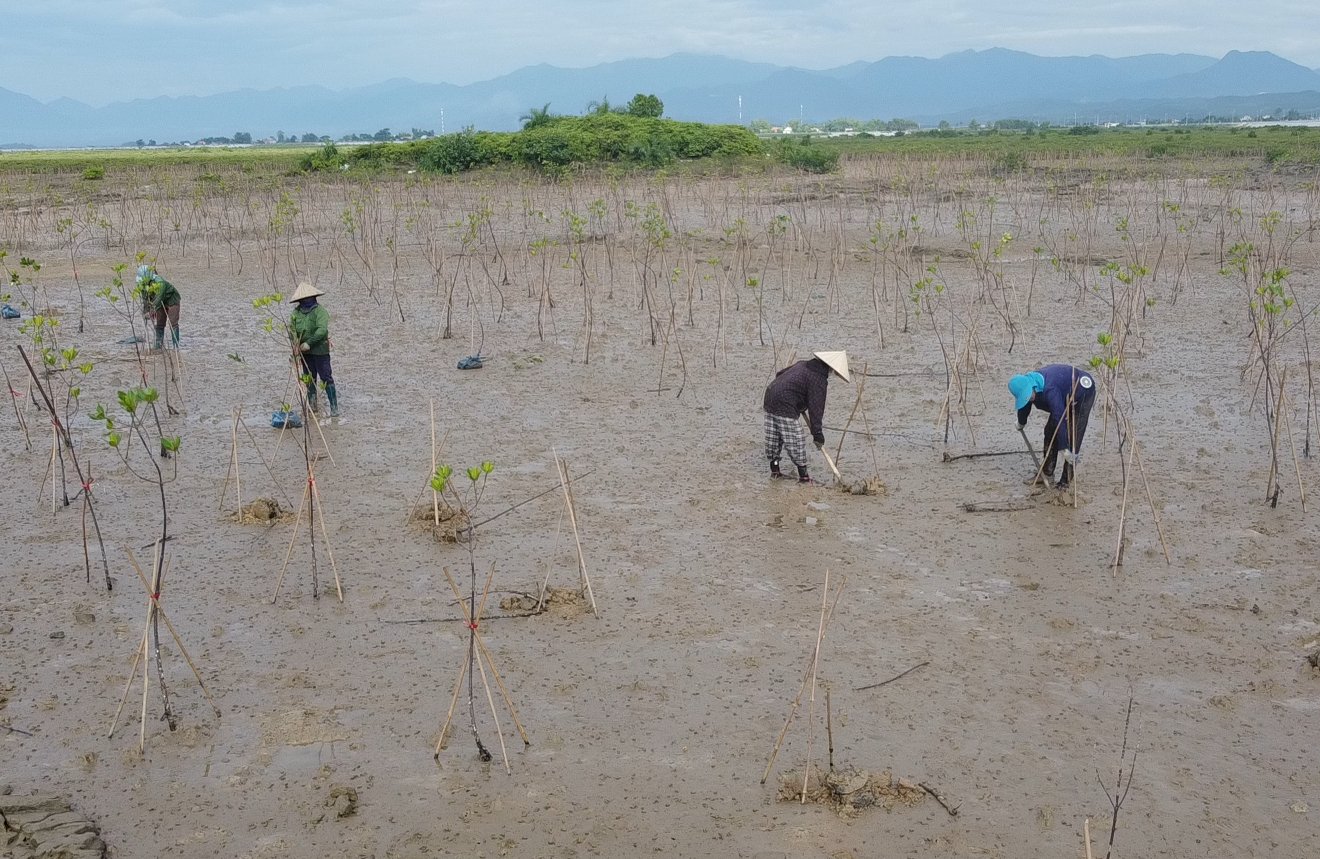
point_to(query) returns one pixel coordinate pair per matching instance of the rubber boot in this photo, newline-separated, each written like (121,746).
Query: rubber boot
(311,398)
(160,339)
(1065,478)
(775,473)
(332,398)
(174,336)
(803,476)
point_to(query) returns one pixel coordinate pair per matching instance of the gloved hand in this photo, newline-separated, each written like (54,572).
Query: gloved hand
(1021,427)
(305,347)
(1070,458)
(820,443)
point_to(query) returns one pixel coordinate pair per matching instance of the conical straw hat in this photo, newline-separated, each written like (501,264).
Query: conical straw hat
(838,362)
(306,290)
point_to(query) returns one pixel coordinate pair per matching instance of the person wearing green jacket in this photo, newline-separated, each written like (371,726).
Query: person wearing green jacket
(160,303)
(309,331)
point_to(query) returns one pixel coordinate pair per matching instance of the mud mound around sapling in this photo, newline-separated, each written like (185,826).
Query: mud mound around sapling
(567,602)
(263,511)
(850,791)
(451,521)
(872,485)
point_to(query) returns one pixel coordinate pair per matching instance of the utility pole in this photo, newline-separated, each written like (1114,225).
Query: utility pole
(442,120)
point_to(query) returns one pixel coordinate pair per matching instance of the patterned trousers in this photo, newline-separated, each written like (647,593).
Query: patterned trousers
(785,433)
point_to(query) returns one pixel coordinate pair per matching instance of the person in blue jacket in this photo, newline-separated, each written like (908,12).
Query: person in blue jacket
(1066,394)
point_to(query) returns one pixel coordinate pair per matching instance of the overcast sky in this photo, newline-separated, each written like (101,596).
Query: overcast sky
(100,51)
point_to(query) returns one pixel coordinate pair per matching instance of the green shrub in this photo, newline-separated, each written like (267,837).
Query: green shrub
(92,174)
(453,153)
(807,157)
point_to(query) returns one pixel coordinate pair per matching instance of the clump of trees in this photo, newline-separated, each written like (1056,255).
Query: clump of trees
(555,144)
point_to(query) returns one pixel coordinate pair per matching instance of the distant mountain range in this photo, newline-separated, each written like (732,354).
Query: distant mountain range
(985,85)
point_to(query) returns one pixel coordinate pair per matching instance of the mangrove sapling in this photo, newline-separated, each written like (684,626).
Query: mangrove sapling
(70,229)
(121,437)
(1122,784)
(1263,278)
(143,655)
(465,503)
(84,477)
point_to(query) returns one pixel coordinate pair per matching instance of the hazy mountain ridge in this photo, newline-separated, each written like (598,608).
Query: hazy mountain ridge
(989,84)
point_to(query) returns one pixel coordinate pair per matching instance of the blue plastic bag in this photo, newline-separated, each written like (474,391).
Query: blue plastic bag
(471,362)
(9,313)
(285,420)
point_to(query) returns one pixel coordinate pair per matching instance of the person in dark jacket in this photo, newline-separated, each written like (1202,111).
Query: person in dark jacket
(1066,394)
(160,304)
(793,391)
(309,331)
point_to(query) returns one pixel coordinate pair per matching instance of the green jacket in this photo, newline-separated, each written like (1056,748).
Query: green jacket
(311,327)
(159,293)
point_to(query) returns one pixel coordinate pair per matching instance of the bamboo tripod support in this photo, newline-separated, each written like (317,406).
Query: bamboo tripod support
(809,676)
(311,502)
(479,654)
(155,612)
(235,465)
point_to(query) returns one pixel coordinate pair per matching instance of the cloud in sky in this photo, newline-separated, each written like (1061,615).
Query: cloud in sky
(106,50)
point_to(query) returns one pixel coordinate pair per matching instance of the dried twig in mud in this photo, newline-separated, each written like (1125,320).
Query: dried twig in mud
(948,457)
(11,729)
(939,797)
(809,675)
(1010,505)
(1121,789)
(143,655)
(892,679)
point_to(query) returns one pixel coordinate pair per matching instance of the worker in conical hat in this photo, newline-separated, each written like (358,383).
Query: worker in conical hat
(796,390)
(309,332)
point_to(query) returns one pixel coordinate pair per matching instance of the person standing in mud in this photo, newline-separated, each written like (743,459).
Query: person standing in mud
(309,332)
(1066,394)
(796,390)
(160,303)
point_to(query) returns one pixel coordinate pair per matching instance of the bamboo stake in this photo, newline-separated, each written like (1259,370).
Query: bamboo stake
(545,583)
(329,550)
(173,632)
(1159,528)
(1086,836)
(797,699)
(132,675)
(453,704)
(293,537)
(1297,466)
(495,716)
(499,681)
(1122,514)
(266,464)
(562,467)
(815,662)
